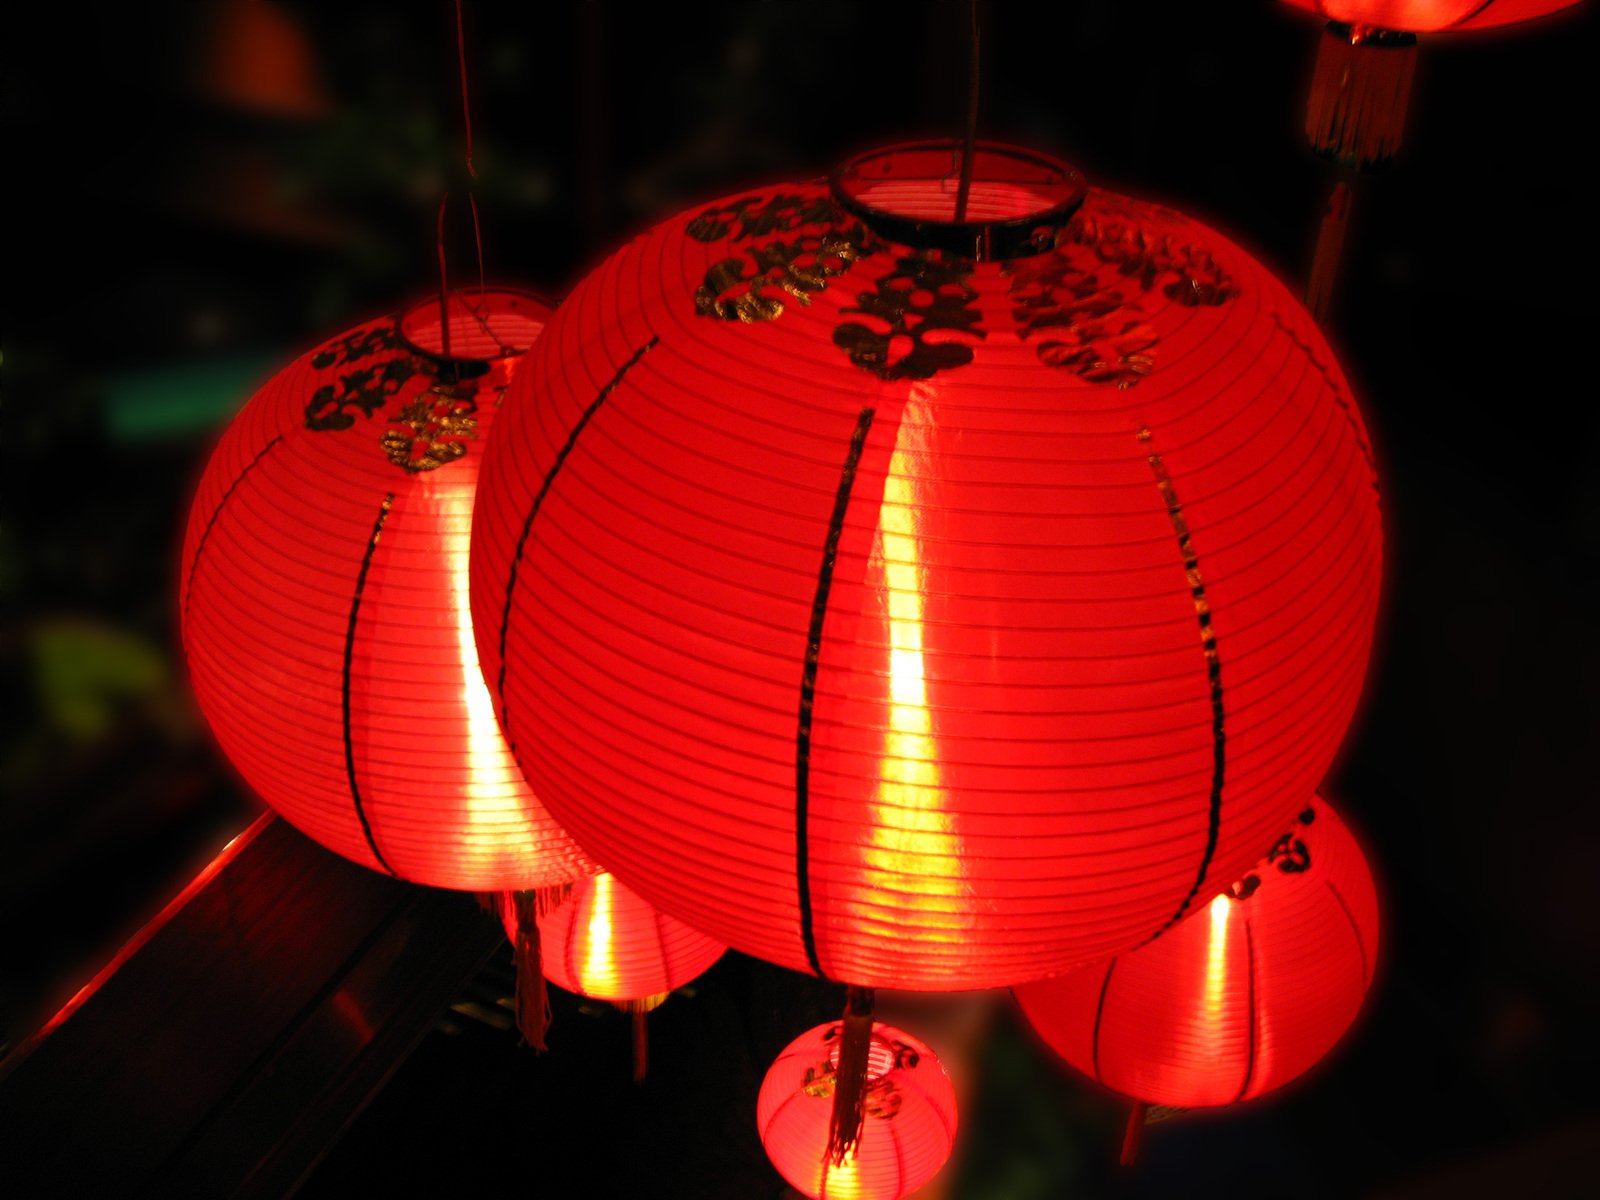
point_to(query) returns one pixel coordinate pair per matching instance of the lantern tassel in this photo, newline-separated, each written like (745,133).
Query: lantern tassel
(1134,1133)
(1359,94)
(850,1076)
(531,1000)
(1325,259)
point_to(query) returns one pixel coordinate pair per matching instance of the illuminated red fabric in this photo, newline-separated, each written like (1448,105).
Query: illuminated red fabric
(1241,998)
(909,1126)
(324,607)
(605,942)
(1430,16)
(1085,546)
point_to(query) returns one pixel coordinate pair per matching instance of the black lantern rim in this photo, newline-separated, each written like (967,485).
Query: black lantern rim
(408,321)
(1060,189)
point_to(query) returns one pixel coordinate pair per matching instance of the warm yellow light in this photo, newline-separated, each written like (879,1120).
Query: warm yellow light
(913,837)
(488,757)
(1217,967)
(599,962)
(842,1182)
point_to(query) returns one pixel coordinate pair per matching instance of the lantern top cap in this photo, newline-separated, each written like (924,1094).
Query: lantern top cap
(486,325)
(1020,198)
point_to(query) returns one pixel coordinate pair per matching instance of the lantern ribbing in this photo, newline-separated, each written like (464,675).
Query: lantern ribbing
(917,619)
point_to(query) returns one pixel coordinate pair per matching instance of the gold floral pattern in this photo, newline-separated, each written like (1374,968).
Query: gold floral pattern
(881,1100)
(921,308)
(773,270)
(432,430)
(1085,295)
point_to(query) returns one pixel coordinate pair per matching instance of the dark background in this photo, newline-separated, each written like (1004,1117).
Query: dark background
(176,229)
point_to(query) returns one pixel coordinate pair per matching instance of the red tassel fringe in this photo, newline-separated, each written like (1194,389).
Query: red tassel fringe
(850,1076)
(1359,94)
(531,1003)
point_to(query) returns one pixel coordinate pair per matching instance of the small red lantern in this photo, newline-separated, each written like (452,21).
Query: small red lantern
(324,601)
(1239,999)
(1361,88)
(1431,16)
(909,1116)
(604,942)
(925,603)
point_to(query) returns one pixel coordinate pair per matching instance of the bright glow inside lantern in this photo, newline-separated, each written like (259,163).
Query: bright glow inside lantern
(928,604)
(1239,999)
(604,942)
(909,1125)
(324,601)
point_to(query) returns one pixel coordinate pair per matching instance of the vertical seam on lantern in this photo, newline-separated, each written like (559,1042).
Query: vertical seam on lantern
(1099,1012)
(1339,397)
(349,658)
(1208,640)
(808,686)
(1255,1033)
(205,536)
(538,502)
(1361,942)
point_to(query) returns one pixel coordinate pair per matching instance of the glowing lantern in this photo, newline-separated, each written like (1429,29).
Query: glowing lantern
(1237,1000)
(909,1116)
(324,601)
(1432,16)
(604,942)
(927,604)
(1367,58)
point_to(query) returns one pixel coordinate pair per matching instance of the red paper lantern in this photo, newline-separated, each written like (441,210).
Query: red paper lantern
(909,1116)
(1431,16)
(920,618)
(606,943)
(1239,999)
(324,601)
(1361,87)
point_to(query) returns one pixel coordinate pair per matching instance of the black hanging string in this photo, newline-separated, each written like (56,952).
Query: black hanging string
(472,200)
(970,138)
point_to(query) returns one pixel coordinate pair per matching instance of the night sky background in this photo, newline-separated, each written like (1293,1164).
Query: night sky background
(174,233)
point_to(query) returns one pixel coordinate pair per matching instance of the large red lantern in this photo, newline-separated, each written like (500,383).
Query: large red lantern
(1239,999)
(324,601)
(908,1126)
(927,604)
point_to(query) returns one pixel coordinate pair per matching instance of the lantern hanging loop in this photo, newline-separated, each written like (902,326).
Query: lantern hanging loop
(1025,199)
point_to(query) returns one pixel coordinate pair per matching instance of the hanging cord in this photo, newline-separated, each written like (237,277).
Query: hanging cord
(466,104)
(478,313)
(1330,247)
(970,138)
(1133,1135)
